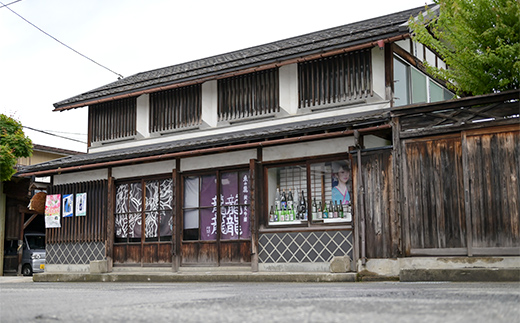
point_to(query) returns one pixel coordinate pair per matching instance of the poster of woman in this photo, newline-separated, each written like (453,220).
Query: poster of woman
(341,182)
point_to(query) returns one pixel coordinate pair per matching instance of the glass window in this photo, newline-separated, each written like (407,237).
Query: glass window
(288,193)
(331,191)
(155,211)
(436,92)
(329,198)
(419,90)
(203,211)
(401,81)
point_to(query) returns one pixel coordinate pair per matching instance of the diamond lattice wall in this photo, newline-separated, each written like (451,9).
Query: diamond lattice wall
(74,253)
(300,247)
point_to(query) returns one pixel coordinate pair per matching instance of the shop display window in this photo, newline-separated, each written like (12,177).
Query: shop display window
(329,198)
(202,211)
(155,211)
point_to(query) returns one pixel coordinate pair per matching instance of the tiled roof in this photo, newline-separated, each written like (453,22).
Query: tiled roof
(314,43)
(294,129)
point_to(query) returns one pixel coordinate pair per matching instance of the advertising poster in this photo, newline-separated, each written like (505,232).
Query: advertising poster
(81,204)
(68,205)
(52,211)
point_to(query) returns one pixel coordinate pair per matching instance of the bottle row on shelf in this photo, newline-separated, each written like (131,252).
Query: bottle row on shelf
(285,210)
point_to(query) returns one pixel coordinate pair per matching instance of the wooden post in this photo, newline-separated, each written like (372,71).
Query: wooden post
(398,184)
(467,197)
(20,243)
(255,194)
(176,261)
(109,244)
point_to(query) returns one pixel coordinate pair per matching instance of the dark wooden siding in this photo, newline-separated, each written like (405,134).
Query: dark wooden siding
(335,79)
(433,190)
(89,228)
(176,108)
(381,225)
(494,195)
(248,95)
(112,120)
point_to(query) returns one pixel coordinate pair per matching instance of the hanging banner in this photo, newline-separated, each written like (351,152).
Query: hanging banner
(68,205)
(52,211)
(81,204)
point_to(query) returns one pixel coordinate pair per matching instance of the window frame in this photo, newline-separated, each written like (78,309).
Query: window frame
(265,215)
(218,207)
(143,211)
(410,84)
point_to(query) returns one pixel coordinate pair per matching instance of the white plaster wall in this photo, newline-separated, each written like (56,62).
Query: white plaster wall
(372,141)
(162,167)
(307,149)
(378,71)
(430,57)
(404,44)
(143,115)
(418,50)
(288,77)
(287,120)
(209,103)
(89,175)
(218,160)
(441,64)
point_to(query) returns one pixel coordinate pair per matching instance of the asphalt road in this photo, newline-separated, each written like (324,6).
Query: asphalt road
(23,301)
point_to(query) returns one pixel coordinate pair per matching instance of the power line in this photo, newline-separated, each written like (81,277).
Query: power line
(10,3)
(90,59)
(55,135)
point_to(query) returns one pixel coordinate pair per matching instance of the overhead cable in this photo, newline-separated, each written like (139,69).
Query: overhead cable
(90,59)
(52,134)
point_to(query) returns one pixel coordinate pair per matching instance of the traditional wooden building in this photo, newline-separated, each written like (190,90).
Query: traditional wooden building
(15,217)
(281,157)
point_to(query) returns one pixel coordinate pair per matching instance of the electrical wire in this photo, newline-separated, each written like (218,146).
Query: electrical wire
(55,135)
(90,59)
(10,3)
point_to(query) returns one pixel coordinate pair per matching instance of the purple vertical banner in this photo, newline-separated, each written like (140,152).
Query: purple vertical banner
(208,211)
(245,210)
(230,224)
(208,224)
(208,191)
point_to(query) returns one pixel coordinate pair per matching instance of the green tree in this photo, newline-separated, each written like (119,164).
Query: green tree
(478,39)
(13,145)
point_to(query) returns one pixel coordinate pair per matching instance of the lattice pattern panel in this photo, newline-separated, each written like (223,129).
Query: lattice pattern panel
(74,253)
(304,247)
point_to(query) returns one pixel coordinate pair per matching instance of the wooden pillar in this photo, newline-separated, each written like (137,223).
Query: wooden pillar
(389,72)
(397,163)
(254,213)
(20,243)
(109,239)
(177,232)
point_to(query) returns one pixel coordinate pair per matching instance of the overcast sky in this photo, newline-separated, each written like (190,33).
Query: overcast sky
(129,36)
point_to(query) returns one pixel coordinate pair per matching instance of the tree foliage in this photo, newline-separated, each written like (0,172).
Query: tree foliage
(13,145)
(478,39)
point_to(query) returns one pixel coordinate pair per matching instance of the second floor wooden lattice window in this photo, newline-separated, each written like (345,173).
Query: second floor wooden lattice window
(248,95)
(112,120)
(175,108)
(335,79)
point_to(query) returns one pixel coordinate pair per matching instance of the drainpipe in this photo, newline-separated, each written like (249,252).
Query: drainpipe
(361,197)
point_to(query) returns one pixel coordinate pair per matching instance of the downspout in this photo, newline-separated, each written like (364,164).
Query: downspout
(361,197)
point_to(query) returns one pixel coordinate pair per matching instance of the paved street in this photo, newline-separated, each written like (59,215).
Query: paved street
(24,301)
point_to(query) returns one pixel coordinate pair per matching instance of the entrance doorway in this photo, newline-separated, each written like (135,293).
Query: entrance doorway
(216,231)
(144,222)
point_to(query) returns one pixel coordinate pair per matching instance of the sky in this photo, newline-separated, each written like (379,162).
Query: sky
(130,36)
